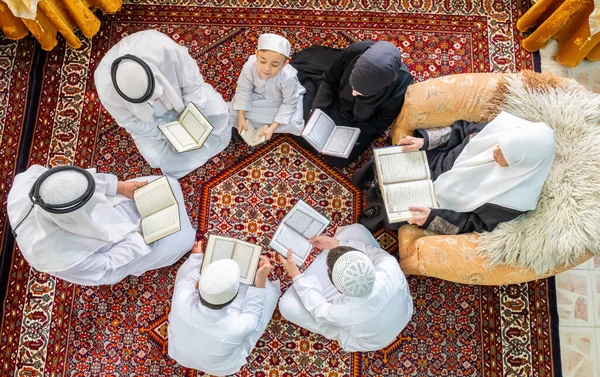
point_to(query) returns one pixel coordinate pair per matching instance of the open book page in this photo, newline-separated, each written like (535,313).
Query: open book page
(287,238)
(341,141)
(253,136)
(153,197)
(394,166)
(305,223)
(161,224)
(245,254)
(319,270)
(196,124)
(178,136)
(399,196)
(318,129)
(247,258)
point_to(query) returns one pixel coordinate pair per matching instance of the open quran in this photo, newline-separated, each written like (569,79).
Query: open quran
(245,254)
(253,136)
(189,131)
(327,138)
(297,227)
(405,181)
(159,209)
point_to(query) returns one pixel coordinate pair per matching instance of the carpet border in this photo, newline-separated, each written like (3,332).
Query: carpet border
(34,89)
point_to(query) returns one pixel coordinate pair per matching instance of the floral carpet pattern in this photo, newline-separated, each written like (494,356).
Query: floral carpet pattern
(53,328)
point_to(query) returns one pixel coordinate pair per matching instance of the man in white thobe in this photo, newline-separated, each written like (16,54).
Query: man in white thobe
(373,304)
(99,243)
(215,322)
(147,80)
(268,91)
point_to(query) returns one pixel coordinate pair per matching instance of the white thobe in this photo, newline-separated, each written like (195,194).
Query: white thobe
(132,256)
(359,324)
(182,73)
(216,342)
(278,99)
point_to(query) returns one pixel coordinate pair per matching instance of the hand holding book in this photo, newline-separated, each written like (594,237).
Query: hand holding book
(289,264)
(324,242)
(419,215)
(264,269)
(411,143)
(128,187)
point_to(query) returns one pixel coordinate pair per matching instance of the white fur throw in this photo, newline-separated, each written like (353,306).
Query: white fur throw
(566,221)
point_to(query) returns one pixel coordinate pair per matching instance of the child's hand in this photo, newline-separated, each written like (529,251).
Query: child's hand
(242,125)
(268,132)
(411,143)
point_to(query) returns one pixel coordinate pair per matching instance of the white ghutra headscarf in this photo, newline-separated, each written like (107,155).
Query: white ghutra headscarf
(56,242)
(476,179)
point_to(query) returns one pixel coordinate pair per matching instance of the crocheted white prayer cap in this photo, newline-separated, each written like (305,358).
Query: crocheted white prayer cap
(220,281)
(353,274)
(132,78)
(274,42)
(63,187)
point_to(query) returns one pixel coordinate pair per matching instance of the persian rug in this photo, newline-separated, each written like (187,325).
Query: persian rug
(53,328)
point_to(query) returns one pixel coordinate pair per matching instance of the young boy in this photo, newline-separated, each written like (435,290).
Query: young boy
(268,91)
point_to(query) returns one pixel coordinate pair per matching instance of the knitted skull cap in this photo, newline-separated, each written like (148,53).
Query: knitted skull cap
(353,274)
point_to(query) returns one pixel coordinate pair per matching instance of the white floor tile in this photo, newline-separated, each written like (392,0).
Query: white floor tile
(574,298)
(579,352)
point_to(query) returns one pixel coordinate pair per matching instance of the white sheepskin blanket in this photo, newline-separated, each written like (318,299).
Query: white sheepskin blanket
(566,221)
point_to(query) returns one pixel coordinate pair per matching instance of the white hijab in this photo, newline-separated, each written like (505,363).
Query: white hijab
(476,179)
(56,242)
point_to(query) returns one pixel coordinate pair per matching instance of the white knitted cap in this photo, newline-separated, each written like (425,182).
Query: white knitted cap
(63,187)
(132,78)
(353,274)
(274,42)
(220,281)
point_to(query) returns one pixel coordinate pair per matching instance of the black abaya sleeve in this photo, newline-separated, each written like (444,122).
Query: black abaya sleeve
(482,219)
(446,138)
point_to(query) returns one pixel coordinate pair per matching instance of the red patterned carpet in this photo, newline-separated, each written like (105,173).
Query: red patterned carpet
(51,328)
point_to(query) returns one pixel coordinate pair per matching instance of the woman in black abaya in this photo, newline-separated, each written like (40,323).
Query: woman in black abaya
(362,86)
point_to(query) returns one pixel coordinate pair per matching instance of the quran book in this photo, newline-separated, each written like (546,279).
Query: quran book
(327,138)
(253,136)
(189,131)
(245,254)
(405,181)
(159,209)
(298,226)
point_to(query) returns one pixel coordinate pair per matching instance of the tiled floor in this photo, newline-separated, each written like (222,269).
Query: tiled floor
(578,296)
(578,290)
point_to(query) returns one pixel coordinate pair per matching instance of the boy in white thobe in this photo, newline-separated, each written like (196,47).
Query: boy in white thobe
(268,91)
(147,80)
(99,243)
(215,321)
(374,305)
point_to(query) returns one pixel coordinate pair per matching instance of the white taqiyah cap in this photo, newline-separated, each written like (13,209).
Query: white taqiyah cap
(353,274)
(274,42)
(63,187)
(220,281)
(132,78)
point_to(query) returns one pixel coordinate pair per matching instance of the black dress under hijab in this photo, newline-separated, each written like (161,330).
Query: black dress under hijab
(329,75)
(443,146)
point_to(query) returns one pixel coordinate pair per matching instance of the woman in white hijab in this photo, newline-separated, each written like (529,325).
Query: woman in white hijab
(140,100)
(98,242)
(484,174)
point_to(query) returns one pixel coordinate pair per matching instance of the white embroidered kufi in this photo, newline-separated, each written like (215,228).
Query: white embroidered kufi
(63,187)
(274,42)
(132,78)
(353,274)
(220,281)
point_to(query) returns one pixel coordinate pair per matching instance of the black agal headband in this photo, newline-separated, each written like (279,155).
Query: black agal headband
(36,199)
(147,69)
